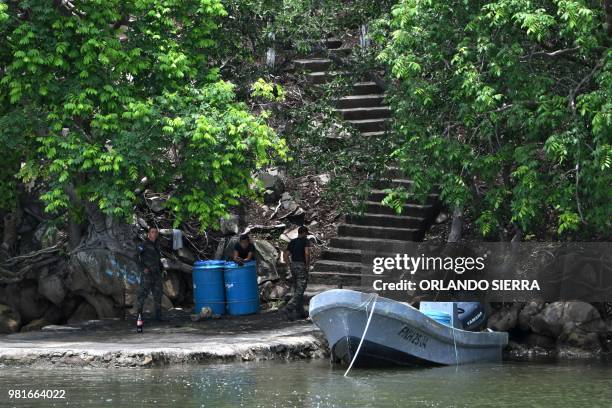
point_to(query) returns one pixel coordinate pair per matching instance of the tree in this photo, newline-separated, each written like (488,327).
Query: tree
(98,98)
(506,106)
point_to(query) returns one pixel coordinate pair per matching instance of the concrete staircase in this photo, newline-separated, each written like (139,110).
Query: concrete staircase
(365,108)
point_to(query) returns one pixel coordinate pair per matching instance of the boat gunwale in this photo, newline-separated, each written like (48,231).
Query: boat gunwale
(414,318)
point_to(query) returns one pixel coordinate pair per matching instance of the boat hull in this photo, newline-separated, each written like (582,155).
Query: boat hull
(398,334)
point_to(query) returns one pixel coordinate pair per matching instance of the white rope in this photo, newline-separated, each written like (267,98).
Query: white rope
(363,335)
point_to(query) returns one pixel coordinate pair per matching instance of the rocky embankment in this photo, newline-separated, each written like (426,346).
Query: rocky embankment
(553,330)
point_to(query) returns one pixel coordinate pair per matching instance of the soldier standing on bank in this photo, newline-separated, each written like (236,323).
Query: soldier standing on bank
(298,251)
(151,276)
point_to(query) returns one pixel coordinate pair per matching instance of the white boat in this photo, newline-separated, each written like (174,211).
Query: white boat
(397,333)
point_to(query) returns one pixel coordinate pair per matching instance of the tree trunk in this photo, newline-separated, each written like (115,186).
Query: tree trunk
(456,226)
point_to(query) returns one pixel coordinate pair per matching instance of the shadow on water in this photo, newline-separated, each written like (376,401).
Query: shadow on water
(318,384)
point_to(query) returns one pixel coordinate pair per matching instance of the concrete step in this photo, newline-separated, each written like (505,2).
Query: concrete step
(386,220)
(363,243)
(378,195)
(317,78)
(366,88)
(313,64)
(360,101)
(377,112)
(413,210)
(368,231)
(379,133)
(339,254)
(393,182)
(324,265)
(369,125)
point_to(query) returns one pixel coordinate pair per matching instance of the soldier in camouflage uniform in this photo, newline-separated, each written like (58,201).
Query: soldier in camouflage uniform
(151,276)
(298,251)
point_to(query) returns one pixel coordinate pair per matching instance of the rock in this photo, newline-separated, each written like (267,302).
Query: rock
(156,203)
(273,291)
(273,184)
(527,313)
(323,179)
(172,286)
(10,321)
(106,273)
(62,328)
(288,203)
(549,321)
(185,255)
(84,311)
(34,325)
(228,250)
(229,225)
(104,305)
(28,302)
(577,324)
(51,286)
(266,256)
(538,340)
(442,217)
(289,234)
(505,319)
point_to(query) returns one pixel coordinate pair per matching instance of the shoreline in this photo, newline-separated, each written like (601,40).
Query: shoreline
(113,343)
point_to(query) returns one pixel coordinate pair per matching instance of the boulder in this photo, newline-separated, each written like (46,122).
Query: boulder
(112,275)
(185,255)
(577,324)
(172,286)
(323,179)
(505,319)
(549,321)
(228,251)
(84,312)
(28,302)
(52,316)
(288,203)
(10,321)
(51,286)
(527,313)
(273,183)
(229,225)
(273,291)
(266,256)
(104,305)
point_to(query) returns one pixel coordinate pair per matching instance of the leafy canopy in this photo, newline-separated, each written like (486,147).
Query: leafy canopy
(506,106)
(97,95)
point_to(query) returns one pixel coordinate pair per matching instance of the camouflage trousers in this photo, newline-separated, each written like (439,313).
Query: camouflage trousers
(300,276)
(150,282)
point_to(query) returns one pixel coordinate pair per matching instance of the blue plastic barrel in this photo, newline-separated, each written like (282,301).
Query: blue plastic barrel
(440,317)
(208,286)
(241,290)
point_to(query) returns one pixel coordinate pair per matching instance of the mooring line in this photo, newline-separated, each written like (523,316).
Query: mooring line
(365,330)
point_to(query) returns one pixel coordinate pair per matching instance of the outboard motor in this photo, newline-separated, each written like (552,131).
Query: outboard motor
(472,315)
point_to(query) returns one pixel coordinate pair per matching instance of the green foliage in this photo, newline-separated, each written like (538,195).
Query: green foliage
(505,106)
(101,94)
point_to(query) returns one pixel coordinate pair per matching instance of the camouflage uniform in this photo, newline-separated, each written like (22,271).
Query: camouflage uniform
(150,258)
(300,276)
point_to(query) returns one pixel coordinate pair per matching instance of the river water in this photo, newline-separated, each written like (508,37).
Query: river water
(317,384)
